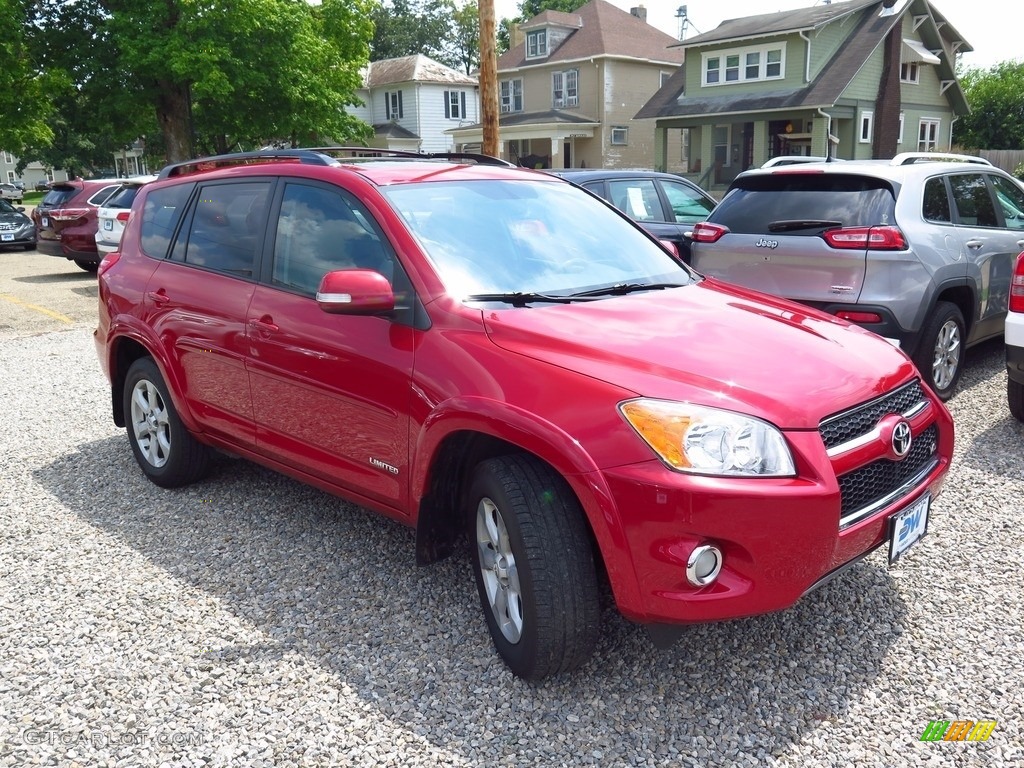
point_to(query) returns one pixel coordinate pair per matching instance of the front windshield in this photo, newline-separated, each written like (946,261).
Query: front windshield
(518,236)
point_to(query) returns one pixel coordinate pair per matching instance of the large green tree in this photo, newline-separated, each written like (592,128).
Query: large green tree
(410,27)
(24,85)
(996,97)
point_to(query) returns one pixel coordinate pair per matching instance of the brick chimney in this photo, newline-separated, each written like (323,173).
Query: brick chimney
(640,12)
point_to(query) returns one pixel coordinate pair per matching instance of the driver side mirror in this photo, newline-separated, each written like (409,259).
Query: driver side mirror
(355,292)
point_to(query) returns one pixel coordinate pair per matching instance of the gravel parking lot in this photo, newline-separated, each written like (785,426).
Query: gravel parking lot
(252,621)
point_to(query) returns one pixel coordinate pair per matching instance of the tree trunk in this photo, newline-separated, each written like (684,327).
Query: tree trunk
(174,115)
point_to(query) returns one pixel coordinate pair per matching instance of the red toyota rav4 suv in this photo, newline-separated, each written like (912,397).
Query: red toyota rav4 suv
(490,353)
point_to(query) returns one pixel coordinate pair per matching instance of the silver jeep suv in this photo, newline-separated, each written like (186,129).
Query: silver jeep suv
(919,249)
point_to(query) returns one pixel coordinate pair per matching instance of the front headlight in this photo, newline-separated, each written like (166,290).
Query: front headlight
(709,441)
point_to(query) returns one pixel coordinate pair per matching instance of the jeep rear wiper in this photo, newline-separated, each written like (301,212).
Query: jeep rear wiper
(622,288)
(521,299)
(786,226)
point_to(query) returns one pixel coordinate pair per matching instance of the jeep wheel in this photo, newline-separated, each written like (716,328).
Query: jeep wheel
(534,566)
(939,356)
(164,449)
(1015,398)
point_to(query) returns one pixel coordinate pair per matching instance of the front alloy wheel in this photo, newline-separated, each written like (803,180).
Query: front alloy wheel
(940,353)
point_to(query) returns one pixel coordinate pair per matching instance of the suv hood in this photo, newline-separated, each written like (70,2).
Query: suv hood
(713,344)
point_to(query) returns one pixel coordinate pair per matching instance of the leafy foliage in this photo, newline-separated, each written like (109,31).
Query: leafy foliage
(996,96)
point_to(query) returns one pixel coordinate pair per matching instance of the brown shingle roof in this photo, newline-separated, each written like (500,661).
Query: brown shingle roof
(409,69)
(604,30)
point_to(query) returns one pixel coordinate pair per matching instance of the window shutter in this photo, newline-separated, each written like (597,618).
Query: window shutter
(462,101)
(400,104)
(447,104)
(387,105)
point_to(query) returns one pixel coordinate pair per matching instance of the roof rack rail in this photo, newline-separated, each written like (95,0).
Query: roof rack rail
(909,158)
(316,156)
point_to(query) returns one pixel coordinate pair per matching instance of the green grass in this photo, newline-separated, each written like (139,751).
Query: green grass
(33,198)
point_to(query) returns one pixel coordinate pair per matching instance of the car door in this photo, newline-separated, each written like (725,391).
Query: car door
(196,300)
(991,234)
(330,392)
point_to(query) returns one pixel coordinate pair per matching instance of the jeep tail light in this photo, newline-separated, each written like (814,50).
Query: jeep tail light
(866,238)
(68,214)
(859,317)
(1017,285)
(122,216)
(704,232)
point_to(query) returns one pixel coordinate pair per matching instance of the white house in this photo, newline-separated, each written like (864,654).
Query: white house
(411,101)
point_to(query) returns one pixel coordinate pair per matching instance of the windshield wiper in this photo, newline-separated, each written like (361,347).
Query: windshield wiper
(786,226)
(622,288)
(521,298)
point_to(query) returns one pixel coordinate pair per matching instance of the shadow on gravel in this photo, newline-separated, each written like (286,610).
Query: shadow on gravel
(89,291)
(338,584)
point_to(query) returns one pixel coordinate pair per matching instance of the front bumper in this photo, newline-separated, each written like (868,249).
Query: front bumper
(780,537)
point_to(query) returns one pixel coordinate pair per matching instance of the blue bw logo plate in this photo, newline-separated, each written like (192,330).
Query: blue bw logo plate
(908,527)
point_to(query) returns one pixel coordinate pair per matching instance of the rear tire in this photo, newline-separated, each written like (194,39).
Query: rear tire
(88,266)
(939,355)
(534,566)
(165,450)
(1015,398)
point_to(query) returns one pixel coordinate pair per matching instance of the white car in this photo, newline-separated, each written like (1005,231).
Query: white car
(11,192)
(1015,342)
(113,214)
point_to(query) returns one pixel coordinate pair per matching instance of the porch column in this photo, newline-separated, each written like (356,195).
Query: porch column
(760,142)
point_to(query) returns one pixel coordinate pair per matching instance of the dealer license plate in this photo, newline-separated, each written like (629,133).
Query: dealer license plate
(7,238)
(45,222)
(908,527)
(108,224)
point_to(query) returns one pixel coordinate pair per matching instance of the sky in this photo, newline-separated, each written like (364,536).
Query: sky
(983,23)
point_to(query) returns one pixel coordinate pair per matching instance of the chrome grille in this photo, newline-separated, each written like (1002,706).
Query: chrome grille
(869,488)
(849,425)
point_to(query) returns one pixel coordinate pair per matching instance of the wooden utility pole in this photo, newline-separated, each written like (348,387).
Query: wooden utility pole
(488,78)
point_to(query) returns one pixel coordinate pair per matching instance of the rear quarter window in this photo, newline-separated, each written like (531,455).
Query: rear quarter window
(161,213)
(755,202)
(123,198)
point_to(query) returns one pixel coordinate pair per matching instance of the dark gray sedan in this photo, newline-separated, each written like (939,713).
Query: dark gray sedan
(16,228)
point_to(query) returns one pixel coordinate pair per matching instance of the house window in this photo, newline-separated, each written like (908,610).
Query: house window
(867,120)
(620,135)
(455,105)
(564,88)
(909,72)
(512,95)
(8,158)
(746,65)
(393,105)
(664,78)
(10,177)
(928,134)
(537,44)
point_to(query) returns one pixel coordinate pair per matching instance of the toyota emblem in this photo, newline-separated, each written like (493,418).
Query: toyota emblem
(901,439)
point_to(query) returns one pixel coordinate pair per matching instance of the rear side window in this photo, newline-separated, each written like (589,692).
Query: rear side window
(100,196)
(227,227)
(974,204)
(160,216)
(638,198)
(755,203)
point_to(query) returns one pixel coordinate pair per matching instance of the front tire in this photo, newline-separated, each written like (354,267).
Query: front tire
(534,566)
(165,450)
(939,356)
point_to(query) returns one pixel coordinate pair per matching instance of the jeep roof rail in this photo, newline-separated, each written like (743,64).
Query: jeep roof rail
(909,158)
(316,156)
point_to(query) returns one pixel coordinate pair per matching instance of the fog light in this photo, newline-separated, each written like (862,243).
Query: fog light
(703,565)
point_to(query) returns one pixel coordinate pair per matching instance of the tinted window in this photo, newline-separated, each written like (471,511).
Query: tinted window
(1011,200)
(688,205)
(122,198)
(974,204)
(57,196)
(160,216)
(227,225)
(754,203)
(935,206)
(100,196)
(320,230)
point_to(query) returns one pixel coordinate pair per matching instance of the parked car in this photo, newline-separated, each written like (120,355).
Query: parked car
(918,252)
(43,186)
(65,219)
(489,353)
(16,228)
(664,204)
(11,193)
(1015,342)
(113,214)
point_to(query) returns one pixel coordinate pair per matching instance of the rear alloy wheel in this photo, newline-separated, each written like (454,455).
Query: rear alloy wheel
(939,357)
(88,266)
(534,566)
(1015,398)
(165,450)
